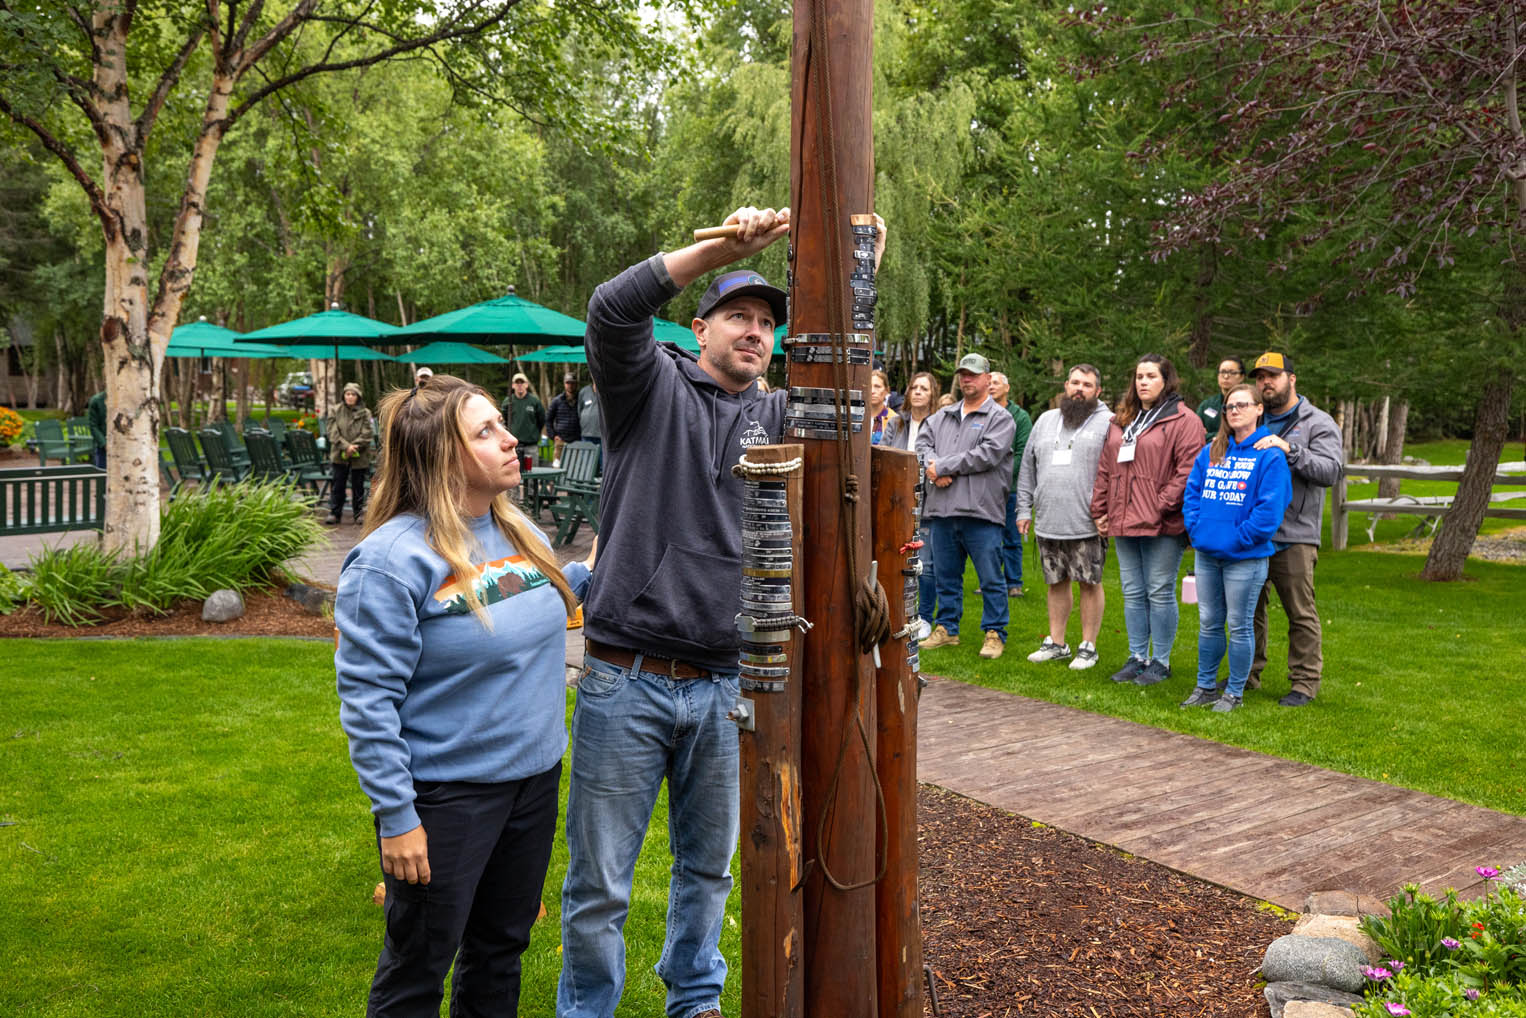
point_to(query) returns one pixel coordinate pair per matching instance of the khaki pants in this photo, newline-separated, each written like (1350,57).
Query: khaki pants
(1291,571)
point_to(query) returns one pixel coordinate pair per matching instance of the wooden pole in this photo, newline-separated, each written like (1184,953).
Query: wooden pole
(897,933)
(773,978)
(831,180)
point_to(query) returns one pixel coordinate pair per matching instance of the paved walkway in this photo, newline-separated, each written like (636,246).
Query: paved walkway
(1266,827)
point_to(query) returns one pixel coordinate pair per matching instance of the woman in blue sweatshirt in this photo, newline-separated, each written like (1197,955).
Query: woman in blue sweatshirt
(1237,494)
(451,614)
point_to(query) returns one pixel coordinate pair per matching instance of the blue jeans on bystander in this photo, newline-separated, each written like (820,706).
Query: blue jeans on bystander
(1227,590)
(1147,568)
(630,730)
(954,537)
(1012,545)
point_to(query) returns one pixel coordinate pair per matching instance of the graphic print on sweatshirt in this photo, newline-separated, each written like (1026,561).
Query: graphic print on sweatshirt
(1229,480)
(493,581)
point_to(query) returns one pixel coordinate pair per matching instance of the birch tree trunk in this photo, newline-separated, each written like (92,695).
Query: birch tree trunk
(1393,447)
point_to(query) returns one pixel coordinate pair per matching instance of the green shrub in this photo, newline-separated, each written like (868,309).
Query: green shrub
(233,536)
(13,591)
(1449,957)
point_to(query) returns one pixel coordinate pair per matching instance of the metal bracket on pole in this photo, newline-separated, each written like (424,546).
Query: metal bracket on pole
(742,715)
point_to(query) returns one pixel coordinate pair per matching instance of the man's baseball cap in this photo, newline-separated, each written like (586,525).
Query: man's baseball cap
(974,363)
(520,376)
(1270,361)
(743,283)
(424,373)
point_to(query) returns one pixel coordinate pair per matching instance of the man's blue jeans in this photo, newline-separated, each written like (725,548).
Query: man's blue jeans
(1147,568)
(1227,590)
(1012,545)
(954,537)
(630,730)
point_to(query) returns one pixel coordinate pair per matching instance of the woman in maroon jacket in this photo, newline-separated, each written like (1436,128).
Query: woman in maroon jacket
(1137,502)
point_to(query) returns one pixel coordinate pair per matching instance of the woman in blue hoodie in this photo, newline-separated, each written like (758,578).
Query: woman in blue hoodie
(451,658)
(1237,494)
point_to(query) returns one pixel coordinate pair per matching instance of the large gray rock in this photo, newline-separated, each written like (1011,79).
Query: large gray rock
(1341,927)
(1280,995)
(222,606)
(316,600)
(1324,961)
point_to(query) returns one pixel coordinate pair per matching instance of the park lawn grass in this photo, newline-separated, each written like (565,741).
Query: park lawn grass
(186,837)
(1421,682)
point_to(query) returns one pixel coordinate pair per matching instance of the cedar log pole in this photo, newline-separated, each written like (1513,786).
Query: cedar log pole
(898,936)
(773,978)
(832,166)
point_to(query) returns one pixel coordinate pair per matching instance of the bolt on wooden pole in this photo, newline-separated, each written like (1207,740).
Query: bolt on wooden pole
(898,934)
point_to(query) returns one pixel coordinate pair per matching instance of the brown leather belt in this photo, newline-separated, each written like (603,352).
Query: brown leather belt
(623,658)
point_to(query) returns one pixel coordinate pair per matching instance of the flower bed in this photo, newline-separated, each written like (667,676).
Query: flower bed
(1449,957)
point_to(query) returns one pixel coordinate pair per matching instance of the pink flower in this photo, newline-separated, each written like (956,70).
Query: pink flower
(1395,1008)
(1377,974)
(1470,993)
(1487,872)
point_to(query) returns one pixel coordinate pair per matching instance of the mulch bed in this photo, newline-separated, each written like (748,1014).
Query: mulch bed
(266,613)
(1023,919)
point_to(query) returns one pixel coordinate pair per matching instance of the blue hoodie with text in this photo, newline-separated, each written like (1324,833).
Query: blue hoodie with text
(1233,507)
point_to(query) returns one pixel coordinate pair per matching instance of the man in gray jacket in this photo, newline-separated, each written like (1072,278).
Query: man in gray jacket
(967,447)
(1054,492)
(1312,443)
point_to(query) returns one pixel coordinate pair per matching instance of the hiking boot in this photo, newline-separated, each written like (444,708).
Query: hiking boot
(1050,651)
(993,646)
(1226,703)
(940,637)
(1153,672)
(1200,697)
(712,1013)
(1014,591)
(1131,668)
(1086,657)
(1296,699)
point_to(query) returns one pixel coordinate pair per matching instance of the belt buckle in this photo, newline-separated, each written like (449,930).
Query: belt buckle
(673,668)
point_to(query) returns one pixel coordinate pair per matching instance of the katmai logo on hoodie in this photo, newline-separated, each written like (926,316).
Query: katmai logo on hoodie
(755,434)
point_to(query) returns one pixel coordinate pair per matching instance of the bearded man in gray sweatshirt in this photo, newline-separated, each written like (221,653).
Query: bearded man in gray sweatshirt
(1054,491)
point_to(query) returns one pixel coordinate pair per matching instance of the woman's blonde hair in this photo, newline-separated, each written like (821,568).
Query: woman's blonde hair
(1220,444)
(423,471)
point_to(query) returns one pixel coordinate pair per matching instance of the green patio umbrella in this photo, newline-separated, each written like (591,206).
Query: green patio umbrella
(445,352)
(315,351)
(332,329)
(203,339)
(556,355)
(501,321)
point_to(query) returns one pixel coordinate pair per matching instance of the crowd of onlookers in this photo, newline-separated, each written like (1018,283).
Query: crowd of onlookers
(1240,480)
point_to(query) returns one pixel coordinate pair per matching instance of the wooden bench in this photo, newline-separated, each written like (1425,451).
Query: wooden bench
(1430,508)
(50,500)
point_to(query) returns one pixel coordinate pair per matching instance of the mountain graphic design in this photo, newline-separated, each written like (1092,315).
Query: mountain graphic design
(493,582)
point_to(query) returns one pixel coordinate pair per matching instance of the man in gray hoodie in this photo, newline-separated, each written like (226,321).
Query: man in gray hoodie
(1054,491)
(661,644)
(1312,443)
(967,447)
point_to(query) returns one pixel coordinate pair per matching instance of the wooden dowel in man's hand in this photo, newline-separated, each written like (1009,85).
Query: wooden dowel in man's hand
(716,232)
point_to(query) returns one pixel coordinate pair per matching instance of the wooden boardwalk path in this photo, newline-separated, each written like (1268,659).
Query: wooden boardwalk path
(1266,827)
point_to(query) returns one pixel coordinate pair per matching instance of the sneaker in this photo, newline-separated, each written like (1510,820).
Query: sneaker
(1130,669)
(1086,657)
(333,520)
(1014,591)
(1200,697)
(924,630)
(1153,672)
(993,646)
(1226,703)
(1050,651)
(1296,699)
(940,637)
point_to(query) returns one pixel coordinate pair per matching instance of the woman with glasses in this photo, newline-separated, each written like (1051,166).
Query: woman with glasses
(1236,496)
(451,660)
(1137,504)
